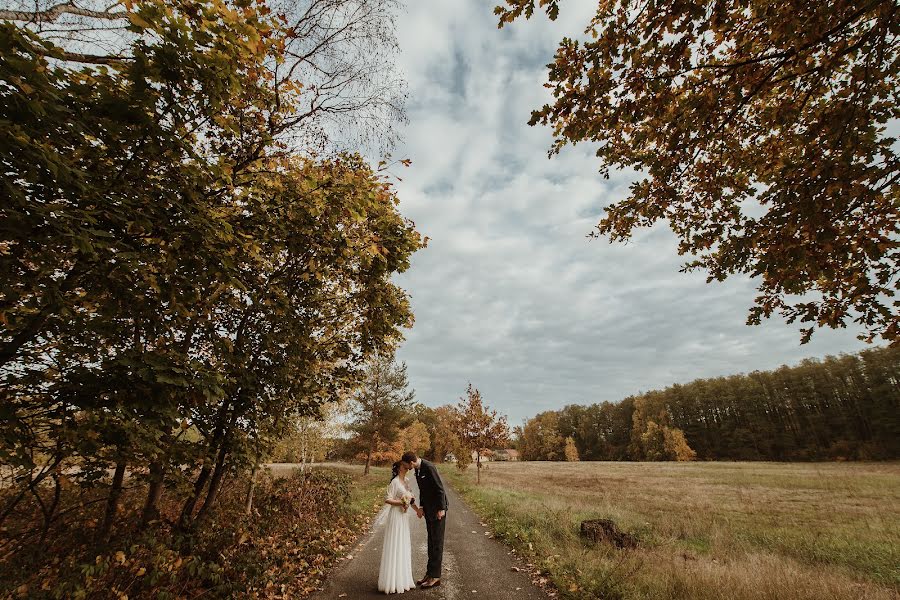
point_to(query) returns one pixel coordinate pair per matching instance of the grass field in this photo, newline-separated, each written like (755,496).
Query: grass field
(705,530)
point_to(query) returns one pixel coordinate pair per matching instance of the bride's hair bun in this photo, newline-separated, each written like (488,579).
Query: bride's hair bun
(395,469)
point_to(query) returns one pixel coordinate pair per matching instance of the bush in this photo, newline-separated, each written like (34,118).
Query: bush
(299,526)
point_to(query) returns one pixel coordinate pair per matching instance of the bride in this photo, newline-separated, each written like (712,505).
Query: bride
(395,575)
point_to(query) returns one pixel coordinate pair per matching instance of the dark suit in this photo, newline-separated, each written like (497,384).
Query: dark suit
(432,498)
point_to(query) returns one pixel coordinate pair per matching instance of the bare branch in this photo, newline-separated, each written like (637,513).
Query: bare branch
(54,12)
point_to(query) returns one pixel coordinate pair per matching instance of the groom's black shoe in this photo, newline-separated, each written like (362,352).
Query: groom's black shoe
(421,581)
(430,583)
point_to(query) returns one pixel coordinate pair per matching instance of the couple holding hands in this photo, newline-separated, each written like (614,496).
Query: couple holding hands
(395,574)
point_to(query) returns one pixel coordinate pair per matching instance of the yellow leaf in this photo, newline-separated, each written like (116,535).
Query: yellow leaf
(136,19)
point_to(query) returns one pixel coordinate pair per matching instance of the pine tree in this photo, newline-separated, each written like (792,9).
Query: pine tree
(382,405)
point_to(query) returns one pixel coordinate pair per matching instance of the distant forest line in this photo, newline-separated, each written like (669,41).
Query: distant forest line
(840,408)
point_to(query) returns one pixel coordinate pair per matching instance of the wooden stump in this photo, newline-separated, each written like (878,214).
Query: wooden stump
(605,530)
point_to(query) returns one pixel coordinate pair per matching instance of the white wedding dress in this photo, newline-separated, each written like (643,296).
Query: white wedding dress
(395,574)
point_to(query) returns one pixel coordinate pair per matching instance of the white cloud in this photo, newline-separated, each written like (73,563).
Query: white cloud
(510,294)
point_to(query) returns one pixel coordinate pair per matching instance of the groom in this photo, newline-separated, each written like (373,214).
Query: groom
(433,500)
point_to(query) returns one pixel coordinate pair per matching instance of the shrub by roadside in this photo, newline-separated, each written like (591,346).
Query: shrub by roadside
(299,526)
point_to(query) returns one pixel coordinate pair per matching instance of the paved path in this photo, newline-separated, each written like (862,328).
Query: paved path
(475,565)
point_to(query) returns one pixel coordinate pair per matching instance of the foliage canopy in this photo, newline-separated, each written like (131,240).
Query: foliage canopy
(180,278)
(761,132)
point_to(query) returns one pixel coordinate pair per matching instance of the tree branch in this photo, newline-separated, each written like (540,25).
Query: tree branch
(54,12)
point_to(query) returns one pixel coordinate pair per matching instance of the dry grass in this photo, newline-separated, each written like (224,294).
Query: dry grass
(707,530)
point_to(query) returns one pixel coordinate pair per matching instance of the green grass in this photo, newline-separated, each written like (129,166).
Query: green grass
(706,530)
(368,490)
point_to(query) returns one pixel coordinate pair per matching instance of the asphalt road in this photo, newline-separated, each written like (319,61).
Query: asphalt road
(475,565)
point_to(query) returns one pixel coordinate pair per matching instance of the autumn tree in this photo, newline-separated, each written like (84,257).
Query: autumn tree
(839,408)
(107,179)
(571,451)
(415,438)
(444,438)
(463,457)
(541,439)
(653,435)
(761,135)
(479,428)
(310,437)
(316,301)
(655,442)
(677,446)
(382,405)
(387,451)
(183,274)
(515,439)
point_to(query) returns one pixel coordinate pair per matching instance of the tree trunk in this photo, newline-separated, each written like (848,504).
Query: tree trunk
(47,511)
(187,511)
(112,504)
(369,457)
(478,465)
(303,454)
(157,481)
(28,485)
(11,505)
(225,435)
(215,483)
(248,503)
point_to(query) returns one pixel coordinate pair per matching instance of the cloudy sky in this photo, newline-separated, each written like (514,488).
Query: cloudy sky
(510,294)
